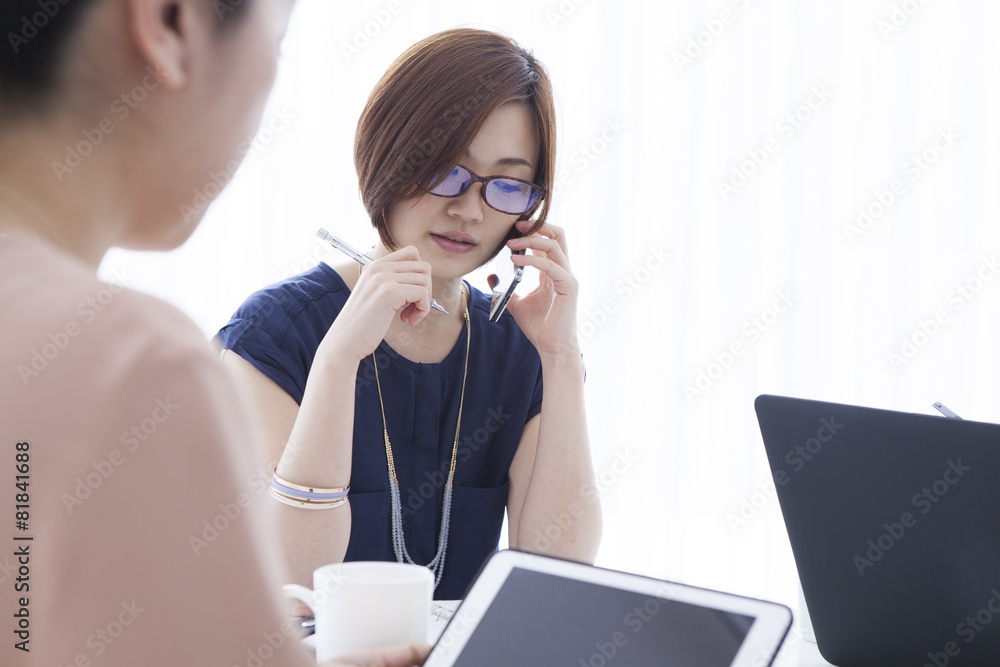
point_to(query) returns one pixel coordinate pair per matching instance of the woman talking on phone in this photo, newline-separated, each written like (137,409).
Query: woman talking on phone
(400,431)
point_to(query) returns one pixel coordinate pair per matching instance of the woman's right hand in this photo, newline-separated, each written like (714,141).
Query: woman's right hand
(397,281)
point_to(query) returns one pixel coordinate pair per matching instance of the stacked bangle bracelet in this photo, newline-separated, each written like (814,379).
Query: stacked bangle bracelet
(307,497)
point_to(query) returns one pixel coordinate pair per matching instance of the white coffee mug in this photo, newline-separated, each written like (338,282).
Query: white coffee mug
(364,605)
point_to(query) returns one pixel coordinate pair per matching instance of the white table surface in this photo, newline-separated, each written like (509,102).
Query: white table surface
(798,652)
(441,611)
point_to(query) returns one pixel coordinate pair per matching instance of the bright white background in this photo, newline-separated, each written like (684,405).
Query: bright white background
(645,141)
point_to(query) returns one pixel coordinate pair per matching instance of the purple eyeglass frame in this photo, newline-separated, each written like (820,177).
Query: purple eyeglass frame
(485,180)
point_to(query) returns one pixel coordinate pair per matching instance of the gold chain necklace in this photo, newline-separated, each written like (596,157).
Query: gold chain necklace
(436,565)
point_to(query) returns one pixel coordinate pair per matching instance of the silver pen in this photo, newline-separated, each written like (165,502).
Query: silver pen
(363,260)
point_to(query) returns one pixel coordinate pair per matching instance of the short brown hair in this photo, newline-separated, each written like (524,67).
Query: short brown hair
(428,107)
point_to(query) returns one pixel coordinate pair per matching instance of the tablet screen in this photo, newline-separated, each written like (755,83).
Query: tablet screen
(545,619)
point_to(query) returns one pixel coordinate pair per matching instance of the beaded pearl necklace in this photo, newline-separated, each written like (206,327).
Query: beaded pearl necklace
(436,565)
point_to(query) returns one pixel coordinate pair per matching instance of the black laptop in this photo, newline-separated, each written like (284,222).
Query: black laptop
(894,522)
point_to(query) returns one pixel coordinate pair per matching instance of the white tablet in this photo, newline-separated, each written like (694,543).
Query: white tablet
(525,609)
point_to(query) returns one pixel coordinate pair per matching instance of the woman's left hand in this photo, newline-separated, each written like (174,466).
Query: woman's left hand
(547,316)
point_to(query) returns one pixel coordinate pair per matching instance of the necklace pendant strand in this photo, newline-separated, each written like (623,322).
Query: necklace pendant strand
(436,565)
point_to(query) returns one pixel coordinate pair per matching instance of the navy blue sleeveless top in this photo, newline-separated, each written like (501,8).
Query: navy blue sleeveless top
(278,330)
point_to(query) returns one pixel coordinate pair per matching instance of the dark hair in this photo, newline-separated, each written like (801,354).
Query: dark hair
(35,35)
(429,106)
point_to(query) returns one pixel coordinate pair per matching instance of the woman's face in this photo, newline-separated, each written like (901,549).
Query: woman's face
(458,235)
(241,72)
(211,120)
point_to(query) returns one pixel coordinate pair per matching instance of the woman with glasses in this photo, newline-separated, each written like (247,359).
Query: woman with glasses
(401,420)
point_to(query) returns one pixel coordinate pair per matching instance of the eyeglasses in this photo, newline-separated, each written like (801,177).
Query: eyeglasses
(501,193)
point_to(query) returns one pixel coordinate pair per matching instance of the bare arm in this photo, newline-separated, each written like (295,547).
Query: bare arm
(552,504)
(307,538)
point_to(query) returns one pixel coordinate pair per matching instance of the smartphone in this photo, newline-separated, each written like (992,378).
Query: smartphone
(505,278)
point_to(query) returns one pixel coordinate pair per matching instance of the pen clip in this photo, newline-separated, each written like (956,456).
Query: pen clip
(945,410)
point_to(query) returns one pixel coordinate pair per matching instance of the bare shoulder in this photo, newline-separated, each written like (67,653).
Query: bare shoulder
(348,270)
(78,338)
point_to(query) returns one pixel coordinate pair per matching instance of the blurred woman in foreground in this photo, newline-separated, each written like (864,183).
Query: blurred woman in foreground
(121,435)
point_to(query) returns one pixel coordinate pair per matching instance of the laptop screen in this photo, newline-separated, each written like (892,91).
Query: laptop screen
(892,518)
(543,619)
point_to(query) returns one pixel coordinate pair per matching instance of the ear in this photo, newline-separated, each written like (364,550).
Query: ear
(162,32)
